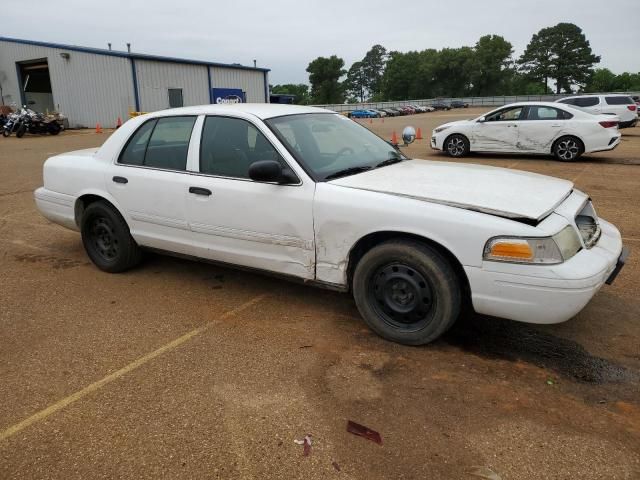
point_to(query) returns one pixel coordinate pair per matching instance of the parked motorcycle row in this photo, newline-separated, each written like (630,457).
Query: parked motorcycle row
(28,121)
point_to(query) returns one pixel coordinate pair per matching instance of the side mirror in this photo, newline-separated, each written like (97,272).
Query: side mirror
(408,135)
(482,120)
(270,171)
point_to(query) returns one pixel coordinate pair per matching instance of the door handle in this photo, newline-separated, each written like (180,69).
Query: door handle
(556,126)
(200,191)
(120,179)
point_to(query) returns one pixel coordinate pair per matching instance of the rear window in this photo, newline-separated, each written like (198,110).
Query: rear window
(586,101)
(619,100)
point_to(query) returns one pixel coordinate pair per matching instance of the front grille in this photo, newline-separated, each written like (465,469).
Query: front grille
(587,223)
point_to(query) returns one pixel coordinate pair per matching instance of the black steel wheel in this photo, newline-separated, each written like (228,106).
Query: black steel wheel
(407,291)
(456,145)
(106,239)
(567,149)
(401,296)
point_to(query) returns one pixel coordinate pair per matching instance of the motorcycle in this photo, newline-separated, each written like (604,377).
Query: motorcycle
(12,124)
(37,123)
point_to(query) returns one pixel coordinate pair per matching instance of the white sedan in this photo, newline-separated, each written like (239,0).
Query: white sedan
(533,128)
(312,195)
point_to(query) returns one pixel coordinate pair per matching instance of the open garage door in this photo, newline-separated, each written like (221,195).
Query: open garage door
(35,85)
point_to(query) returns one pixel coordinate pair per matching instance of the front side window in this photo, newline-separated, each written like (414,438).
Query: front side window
(547,113)
(161,143)
(230,145)
(506,115)
(330,145)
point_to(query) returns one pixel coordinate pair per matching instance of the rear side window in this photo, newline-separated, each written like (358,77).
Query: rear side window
(618,100)
(162,143)
(547,113)
(586,101)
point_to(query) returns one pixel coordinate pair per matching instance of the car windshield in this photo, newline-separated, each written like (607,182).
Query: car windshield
(332,146)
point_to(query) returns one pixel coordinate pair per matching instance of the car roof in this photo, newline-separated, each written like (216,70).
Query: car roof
(260,110)
(597,95)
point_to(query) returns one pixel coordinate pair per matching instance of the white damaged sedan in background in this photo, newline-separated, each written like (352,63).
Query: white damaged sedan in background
(312,195)
(541,128)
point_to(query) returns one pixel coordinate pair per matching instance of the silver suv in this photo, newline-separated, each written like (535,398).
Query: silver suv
(611,104)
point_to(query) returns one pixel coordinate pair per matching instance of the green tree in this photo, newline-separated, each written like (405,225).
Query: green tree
(602,80)
(492,65)
(324,76)
(356,84)
(300,90)
(561,53)
(373,65)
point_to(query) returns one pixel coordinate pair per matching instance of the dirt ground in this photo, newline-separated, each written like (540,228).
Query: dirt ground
(180,369)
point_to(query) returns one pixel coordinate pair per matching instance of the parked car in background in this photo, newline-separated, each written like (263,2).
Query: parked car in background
(429,108)
(418,108)
(440,106)
(363,114)
(398,111)
(533,127)
(407,110)
(612,104)
(390,112)
(381,113)
(423,238)
(459,104)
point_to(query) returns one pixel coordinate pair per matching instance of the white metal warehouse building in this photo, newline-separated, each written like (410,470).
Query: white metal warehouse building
(91,85)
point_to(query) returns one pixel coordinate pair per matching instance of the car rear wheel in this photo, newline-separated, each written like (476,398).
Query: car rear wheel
(567,149)
(456,145)
(406,292)
(107,240)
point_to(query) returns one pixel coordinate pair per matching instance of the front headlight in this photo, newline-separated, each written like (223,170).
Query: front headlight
(440,129)
(534,250)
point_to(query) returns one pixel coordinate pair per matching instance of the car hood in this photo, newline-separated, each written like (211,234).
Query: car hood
(457,122)
(497,191)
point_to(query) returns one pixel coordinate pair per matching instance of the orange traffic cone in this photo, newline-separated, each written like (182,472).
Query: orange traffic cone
(119,123)
(394,138)
(419,134)
(371,120)
(98,128)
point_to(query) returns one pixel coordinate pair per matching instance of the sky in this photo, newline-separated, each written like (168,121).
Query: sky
(285,35)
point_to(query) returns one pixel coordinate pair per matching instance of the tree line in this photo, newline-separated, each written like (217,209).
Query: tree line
(560,56)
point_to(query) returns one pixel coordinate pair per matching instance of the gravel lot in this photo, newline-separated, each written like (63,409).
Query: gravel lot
(181,369)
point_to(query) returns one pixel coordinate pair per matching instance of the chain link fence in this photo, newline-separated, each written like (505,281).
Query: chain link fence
(494,101)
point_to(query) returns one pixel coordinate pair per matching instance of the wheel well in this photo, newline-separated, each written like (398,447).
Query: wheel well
(553,145)
(84,201)
(367,242)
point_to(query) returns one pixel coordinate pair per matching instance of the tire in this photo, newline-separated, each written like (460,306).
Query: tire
(6,133)
(107,240)
(456,145)
(568,149)
(21,131)
(54,130)
(407,292)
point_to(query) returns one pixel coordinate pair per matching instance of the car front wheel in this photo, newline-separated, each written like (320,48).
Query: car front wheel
(456,145)
(406,292)
(567,149)
(107,240)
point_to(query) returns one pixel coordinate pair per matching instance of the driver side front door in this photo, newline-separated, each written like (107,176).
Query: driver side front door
(236,220)
(499,131)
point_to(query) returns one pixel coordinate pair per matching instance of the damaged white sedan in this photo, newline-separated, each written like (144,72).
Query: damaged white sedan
(540,128)
(310,194)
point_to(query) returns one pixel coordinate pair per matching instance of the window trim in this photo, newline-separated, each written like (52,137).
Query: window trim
(257,127)
(156,120)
